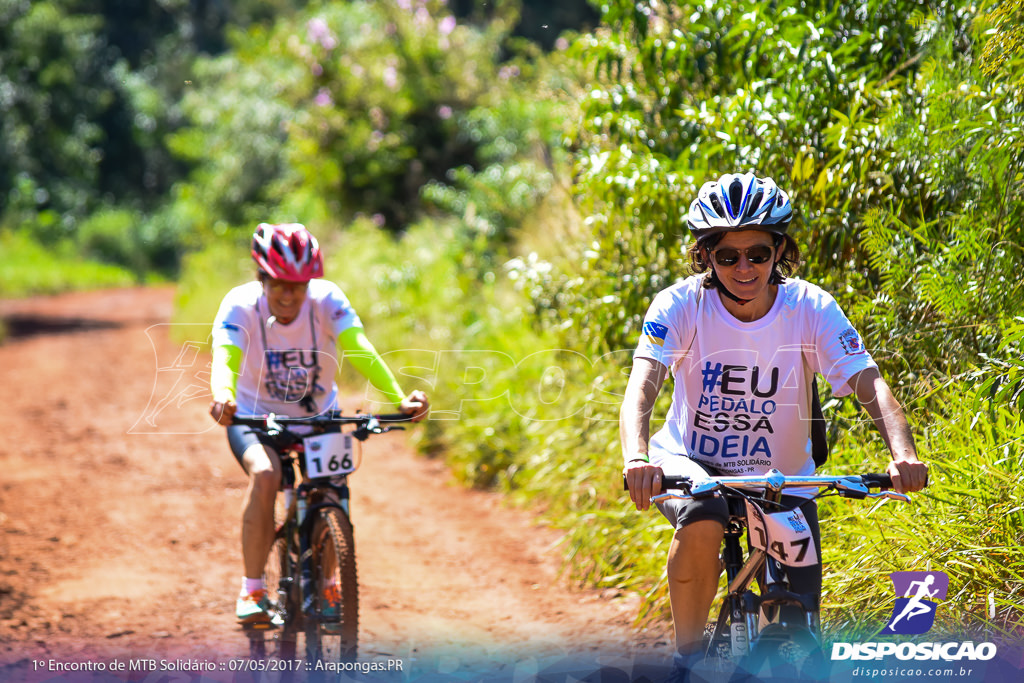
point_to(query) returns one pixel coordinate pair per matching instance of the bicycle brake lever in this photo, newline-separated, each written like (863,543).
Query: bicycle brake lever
(703,488)
(891,495)
(274,428)
(852,489)
(665,496)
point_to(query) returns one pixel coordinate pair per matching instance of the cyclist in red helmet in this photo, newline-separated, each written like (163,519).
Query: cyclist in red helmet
(743,343)
(277,346)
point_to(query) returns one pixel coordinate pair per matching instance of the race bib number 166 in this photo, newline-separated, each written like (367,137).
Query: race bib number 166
(328,455)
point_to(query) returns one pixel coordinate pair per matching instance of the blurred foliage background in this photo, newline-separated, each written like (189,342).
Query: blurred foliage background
(500,189)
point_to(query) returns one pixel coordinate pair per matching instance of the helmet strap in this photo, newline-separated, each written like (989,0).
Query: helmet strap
(722,289)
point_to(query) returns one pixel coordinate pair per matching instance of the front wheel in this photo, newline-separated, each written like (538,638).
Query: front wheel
(332,631)
(787,653)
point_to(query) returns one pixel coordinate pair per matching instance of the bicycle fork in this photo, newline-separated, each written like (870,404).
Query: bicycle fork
(741,608)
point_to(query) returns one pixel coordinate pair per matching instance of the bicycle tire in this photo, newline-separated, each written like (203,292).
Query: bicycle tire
(334,560)
(787,653)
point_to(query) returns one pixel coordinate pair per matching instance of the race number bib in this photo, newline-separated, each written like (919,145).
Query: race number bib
(786,536)
(328,455)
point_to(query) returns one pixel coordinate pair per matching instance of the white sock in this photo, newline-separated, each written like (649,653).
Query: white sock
(249,586)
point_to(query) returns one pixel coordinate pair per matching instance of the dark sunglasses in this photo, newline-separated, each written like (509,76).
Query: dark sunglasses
(756,255)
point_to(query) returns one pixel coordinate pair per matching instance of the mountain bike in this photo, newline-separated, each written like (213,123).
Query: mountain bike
(775,627)
(310,573)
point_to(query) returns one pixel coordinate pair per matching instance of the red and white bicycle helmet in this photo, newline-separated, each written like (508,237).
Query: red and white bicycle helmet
(739,202)
(287,251)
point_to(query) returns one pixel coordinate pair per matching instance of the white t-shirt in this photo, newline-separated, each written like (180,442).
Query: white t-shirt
(286,369)
(742,395)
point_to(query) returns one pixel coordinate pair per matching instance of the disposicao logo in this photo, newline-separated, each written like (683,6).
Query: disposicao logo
(914,613)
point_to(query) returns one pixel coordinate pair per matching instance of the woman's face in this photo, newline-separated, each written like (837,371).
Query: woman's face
(284,298)
(744,261)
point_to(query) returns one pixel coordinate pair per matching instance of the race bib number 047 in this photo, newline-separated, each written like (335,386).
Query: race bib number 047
(328,455)
(786,536)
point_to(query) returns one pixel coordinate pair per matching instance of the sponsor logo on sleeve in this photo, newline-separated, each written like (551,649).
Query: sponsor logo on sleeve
(655,333)
(850,342)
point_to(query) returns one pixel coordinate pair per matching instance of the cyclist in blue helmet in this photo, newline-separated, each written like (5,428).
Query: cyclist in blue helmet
(743,342)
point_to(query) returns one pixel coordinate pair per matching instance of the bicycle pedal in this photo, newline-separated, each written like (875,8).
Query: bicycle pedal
(259,626)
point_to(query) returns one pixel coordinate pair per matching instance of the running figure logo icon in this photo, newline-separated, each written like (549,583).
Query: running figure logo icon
(914,613)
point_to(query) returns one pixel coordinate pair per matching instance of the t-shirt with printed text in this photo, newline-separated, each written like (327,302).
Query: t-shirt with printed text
(742,394)
(286,369)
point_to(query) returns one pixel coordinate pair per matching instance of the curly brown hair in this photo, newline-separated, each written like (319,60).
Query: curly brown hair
(784,267)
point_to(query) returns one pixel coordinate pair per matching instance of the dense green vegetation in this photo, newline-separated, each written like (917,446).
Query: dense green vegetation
(111,145)
(502,214)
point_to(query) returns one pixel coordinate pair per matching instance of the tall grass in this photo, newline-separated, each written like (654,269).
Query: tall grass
(969,523)
(207,276)
(28,269)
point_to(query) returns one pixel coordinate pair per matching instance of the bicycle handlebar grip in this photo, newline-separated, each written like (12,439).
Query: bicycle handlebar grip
(249,421)
(877,481)
(675,482)
(394,417)
(667,482)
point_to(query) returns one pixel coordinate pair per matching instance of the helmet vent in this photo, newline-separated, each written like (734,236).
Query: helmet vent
(755,202)
(735,197)
(716,204)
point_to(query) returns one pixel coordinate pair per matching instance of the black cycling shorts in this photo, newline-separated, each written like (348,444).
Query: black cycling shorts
(240,438)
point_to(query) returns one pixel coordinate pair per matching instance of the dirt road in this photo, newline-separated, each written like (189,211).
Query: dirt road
(120,508)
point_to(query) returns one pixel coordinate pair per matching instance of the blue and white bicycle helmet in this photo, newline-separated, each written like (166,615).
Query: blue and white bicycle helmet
(739,202)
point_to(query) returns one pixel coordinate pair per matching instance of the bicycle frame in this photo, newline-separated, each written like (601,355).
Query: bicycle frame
(743,610)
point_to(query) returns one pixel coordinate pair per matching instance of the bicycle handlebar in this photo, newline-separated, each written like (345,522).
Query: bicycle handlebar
(855,486)
(331,418)
(277,425)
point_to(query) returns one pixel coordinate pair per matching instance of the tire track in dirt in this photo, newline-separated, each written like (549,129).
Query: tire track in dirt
(120,509)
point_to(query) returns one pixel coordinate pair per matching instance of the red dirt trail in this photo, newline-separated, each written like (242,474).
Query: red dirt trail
(120,510)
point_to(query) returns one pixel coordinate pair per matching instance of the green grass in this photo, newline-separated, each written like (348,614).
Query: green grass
(29,268)
(969,523)
(565,464)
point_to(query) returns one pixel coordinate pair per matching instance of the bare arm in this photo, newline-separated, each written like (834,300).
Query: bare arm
(645,382)
(907,472)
